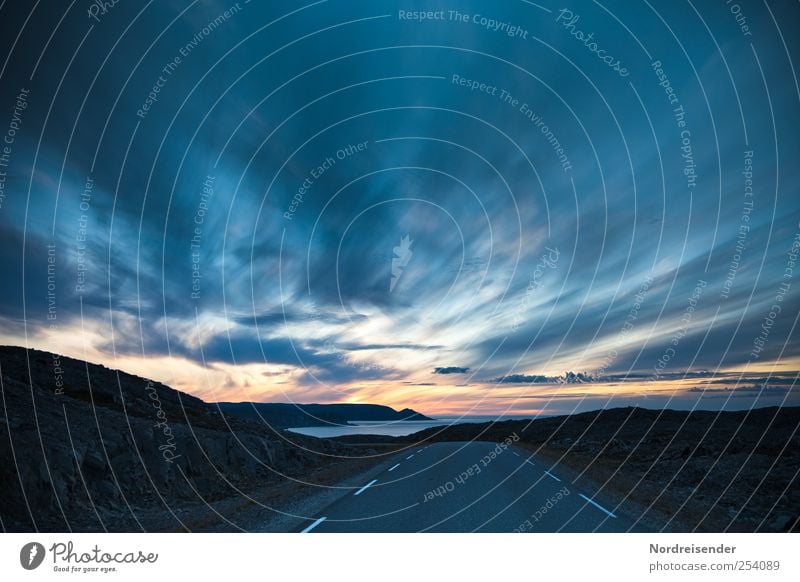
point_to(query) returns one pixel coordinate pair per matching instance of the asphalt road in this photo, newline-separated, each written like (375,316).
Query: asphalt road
(466,487)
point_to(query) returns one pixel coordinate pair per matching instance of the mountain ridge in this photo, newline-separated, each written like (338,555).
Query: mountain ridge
(96,449)
(290,415)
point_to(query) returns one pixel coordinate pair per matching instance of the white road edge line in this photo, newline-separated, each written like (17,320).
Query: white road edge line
(551,475)
(409,456)
(598,506)
(530,462)
(371,483)
(313,525)
(395,467)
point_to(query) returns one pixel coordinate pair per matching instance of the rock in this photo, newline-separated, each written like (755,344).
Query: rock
(81,455)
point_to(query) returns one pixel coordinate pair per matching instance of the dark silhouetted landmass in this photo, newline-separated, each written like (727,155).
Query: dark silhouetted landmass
(297,415)
(87,448)
(704,471)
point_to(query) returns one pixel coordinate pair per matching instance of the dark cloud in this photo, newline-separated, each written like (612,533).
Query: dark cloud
(567,378)
(451,370)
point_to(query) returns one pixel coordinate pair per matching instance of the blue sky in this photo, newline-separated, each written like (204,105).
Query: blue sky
(328,201)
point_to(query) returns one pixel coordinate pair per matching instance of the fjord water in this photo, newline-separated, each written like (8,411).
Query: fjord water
(395,428)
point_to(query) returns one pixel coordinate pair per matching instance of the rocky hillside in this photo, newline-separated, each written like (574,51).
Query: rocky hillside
(678,470)
(88,448)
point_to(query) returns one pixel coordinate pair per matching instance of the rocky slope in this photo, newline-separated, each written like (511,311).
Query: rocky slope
(676,470)
(86,448)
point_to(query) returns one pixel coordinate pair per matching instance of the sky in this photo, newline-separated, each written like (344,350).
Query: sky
(443,206)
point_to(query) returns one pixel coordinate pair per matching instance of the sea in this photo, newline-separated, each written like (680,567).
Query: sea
(391,428)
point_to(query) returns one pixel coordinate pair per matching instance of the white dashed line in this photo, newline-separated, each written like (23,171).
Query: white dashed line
(419,451)
(515,453)
(530,462)
(360,491)
(598,506)
(409,456)
(395,467)
(551,475)
(313,525)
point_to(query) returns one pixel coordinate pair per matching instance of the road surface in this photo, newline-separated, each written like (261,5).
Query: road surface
(466,487)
